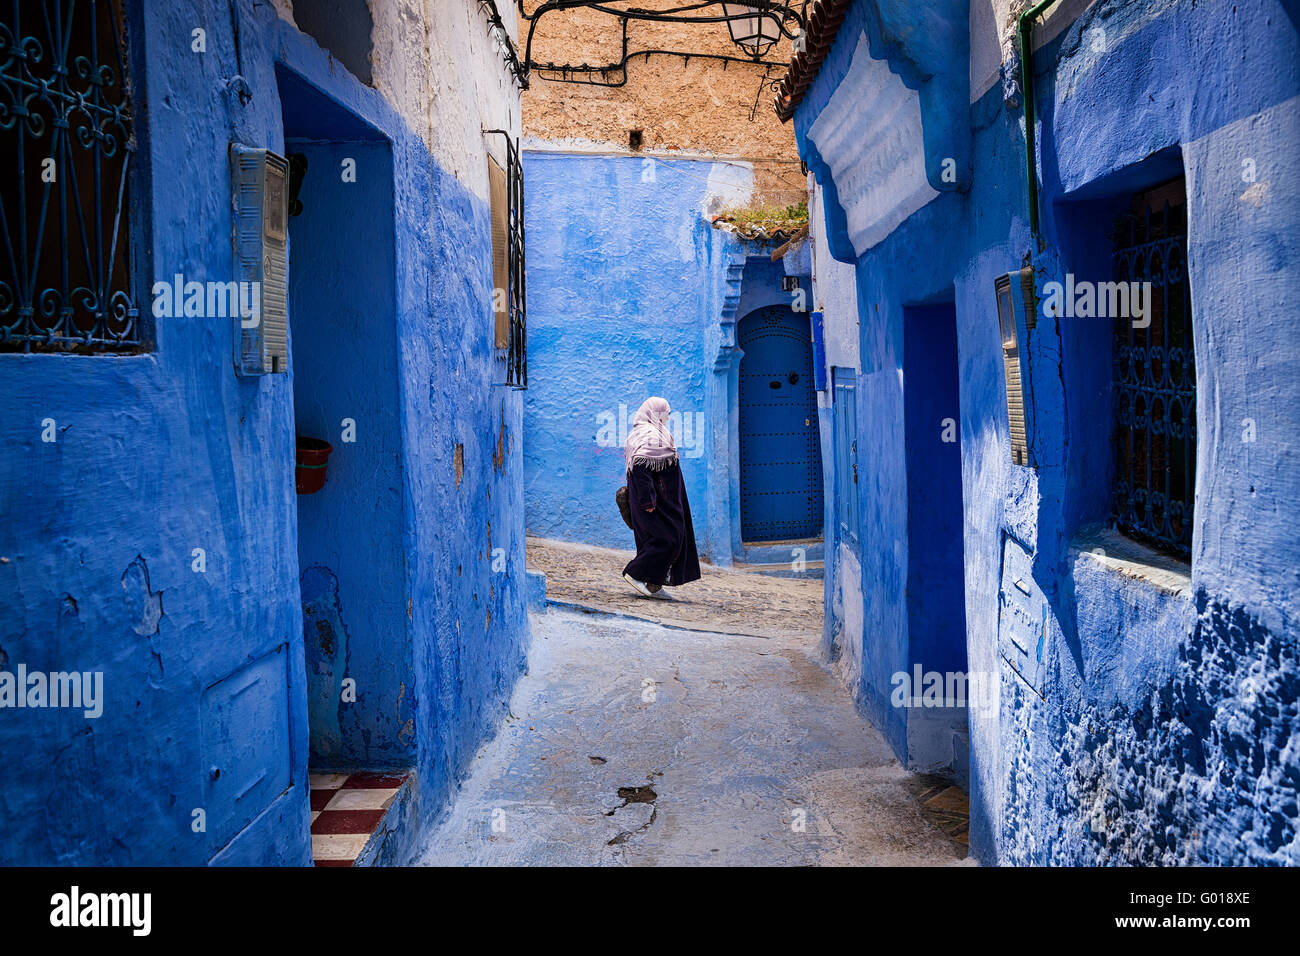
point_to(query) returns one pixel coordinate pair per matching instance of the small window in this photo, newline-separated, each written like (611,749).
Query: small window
(509,299)
(845,451)
(1155,376)
(68,278)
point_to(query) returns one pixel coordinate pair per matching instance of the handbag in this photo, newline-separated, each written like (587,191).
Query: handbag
(624,506)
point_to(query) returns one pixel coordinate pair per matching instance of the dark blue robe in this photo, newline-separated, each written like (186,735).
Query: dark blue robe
(665,537)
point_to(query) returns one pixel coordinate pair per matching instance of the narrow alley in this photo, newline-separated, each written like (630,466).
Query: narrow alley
(637,743)
(630,434)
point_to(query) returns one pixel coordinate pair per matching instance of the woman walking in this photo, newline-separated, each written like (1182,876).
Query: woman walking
(660,513)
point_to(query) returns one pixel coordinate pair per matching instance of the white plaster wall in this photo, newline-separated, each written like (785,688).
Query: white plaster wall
(285,9)
(435,61)
(875,154)
(993,29)
(846,604)
(835,291)
(729,184)
(835,294)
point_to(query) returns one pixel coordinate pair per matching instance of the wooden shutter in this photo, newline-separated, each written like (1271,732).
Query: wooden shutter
(500,198)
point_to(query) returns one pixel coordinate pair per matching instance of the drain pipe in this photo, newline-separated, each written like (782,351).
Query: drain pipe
(1025,48)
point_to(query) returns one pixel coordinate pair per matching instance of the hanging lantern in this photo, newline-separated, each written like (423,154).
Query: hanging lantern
(753,27)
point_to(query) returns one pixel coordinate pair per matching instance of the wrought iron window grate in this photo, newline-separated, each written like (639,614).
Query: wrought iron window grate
(1155,377)
(68,279)
(515,346)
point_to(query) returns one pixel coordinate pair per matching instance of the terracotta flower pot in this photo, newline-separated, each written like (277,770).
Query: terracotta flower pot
(309,474)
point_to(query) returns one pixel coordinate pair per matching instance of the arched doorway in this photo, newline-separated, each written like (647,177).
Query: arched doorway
(780,464)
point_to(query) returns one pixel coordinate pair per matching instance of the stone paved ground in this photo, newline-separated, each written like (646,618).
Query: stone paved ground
(727,601)
(632,743)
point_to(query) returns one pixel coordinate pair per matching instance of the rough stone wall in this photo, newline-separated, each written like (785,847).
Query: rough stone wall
(703,107)
(1204,770)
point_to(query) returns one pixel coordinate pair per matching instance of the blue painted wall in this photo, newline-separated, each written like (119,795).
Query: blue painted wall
(465,529)
(626,281)
(350,551)
(1166,726)
(165,452)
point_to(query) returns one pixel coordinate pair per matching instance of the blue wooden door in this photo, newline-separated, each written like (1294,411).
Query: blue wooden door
(780,471)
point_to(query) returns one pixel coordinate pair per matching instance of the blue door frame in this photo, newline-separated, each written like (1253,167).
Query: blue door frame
(844,452)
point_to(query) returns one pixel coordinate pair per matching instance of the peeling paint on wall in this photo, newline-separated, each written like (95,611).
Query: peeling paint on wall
(1202,771)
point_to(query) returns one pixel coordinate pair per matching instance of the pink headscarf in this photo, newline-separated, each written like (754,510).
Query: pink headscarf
(650,443)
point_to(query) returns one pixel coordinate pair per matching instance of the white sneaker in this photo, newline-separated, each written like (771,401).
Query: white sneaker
(639,586)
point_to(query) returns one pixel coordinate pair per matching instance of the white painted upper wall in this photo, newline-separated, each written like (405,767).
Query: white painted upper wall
(835,291)
(991,26)
(437,64)
(993,29)
(285,9)
(875,155)
(448,79)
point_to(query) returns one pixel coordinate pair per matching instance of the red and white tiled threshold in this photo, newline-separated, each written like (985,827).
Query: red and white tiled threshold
(345,810)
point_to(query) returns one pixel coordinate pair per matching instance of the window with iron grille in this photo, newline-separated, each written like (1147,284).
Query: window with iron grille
(68,276)
(1155,376)
(509,301)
